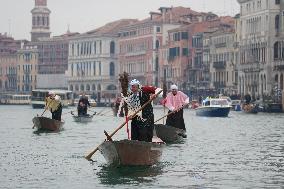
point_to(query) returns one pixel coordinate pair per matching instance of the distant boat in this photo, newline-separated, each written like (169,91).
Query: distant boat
(15,99)
(39,95)
(82,118)
(250,108)
(169,134)
(214,107)
(44,123)
(131,152)
(236,105)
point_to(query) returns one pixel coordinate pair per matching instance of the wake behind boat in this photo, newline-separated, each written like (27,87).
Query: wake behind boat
(44,123)
(214,107)
(131,152)
(169,134)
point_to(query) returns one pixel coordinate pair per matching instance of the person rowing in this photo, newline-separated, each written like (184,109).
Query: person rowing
(175,100)
(142,124)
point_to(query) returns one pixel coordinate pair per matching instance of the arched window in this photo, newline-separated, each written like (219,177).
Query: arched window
(76,87)
(281,81)
(112,47)
(265,82)
(277,19)
(111,87)
(72,68)
(156,64)
(111,69)
(93,87)
(99,87)
(276,50)
(87,87)
(276,78)
(71,87)
(157,44)
(82,88)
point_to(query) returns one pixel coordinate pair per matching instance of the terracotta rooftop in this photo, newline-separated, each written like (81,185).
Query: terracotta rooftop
(112,27)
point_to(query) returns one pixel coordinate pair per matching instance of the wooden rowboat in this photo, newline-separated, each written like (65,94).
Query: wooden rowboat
(44,123)
(131,152)
(169,134)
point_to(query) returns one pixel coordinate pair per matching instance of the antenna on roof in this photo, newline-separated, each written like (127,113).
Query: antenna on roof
(68,28)
(9,26)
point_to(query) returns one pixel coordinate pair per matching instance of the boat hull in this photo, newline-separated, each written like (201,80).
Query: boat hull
(213,111)
(83,119)
(131,152)
(250,108)
(169,134)
(44,123)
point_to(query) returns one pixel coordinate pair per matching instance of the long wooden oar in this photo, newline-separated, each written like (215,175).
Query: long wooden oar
(170,113)
(88,157)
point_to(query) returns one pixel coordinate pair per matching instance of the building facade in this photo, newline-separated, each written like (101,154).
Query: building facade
(261,59)
(8,73)
(8,63)
(53,61)
(145,48)
(223,63)
(93,63)
(27,67)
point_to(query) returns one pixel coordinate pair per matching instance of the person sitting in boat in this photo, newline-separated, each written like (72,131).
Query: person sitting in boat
(175,100)
(83,105)
(143,123)
(247,98)
(53,103)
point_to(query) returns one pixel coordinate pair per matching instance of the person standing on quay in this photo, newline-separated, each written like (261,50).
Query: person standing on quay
(176,100)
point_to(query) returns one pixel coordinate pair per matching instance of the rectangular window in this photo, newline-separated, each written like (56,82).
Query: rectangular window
(176,37)
(184,35)
(100,68)
(158,29)
(184,51)
(277,2)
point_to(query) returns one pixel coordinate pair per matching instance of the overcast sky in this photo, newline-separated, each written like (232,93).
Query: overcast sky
(85,15)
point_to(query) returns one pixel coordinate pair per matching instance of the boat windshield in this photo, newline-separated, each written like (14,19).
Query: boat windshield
(219,102)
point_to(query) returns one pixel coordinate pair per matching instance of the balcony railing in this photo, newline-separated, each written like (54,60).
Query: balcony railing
(219,85)
(279,65)
(219,65)
(220,45)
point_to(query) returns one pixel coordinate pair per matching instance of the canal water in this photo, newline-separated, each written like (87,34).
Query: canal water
(241,151)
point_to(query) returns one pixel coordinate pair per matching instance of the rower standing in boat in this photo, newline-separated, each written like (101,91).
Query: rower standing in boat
(143,123)
(175,100)
(53,103)
(83,105)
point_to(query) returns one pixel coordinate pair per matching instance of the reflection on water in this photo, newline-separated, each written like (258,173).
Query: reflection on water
(241,151)
(129,174)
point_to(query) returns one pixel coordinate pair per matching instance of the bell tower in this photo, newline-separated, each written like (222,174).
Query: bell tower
(40,20)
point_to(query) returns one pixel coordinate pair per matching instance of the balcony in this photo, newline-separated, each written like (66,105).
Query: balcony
(219,65)
(278,66)
(142,52)
(27,71)
(252,67)
(220,45)
(219,84)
